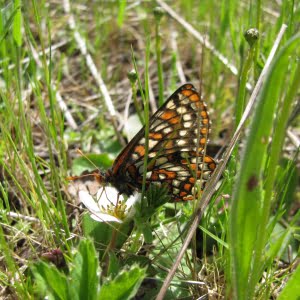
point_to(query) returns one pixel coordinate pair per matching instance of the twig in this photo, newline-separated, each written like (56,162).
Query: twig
(40,53)
(294,138)
(200,38)
(152,102)
(68,116)
(178,62)
(22,217)
(65,110)
(93,69)
(209,191)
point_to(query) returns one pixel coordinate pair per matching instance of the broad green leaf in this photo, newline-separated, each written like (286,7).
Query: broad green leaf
(124,286)
(101,232)
(84,275)
(114,266)
(279,241)
(50,282)
(291,291)
(91,162)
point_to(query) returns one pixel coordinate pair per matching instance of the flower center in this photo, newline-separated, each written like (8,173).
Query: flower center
(118,210)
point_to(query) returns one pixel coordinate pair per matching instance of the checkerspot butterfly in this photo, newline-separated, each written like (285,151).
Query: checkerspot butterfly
(178,134)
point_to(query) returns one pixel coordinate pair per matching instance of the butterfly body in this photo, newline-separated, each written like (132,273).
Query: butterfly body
(178,134)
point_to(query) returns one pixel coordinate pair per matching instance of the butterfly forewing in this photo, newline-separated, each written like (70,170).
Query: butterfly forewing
(178,134)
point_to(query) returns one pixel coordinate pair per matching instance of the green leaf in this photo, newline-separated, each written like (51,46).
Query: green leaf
(91,162)
(214,237)
(101,232)
(50,282)
(17,25)
(84,274)
(124,286)
(121,12)
(8,17)
(254,185)
(287,184)
(291,291)
(147,232)
(280,239)
(156,195)
(113,266)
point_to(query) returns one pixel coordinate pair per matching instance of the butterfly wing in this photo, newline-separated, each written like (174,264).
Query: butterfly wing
(178,133)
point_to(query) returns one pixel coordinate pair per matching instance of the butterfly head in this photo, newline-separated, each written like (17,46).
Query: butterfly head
(100,176)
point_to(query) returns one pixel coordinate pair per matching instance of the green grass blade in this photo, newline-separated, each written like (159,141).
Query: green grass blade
(291,291)
(251,203)
(17,26)
(121,12)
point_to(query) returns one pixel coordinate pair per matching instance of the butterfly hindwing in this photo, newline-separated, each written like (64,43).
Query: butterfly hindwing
(178,134)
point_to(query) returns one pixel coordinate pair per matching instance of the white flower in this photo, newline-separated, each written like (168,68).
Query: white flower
(109,205)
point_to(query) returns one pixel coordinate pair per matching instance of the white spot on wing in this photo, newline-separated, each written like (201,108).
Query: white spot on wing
(182,132)
(187,124)
(167,130)
(196,141)
(176,168)
(135,156)
(152,143)
(152,154)
(160,161)
(181,110)
(184,174)
(193,160)
(185,101)
(176,191)
(181,142)
(200,166)
(170,104)
(167,165)
(176,183)
(187,117)
(159,127)
(162,176)
(206,175)
(194,107)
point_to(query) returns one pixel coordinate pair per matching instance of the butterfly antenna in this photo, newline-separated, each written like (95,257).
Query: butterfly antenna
(96,173)
(91,162)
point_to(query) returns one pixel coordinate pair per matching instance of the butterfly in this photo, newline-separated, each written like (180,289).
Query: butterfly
(178,135)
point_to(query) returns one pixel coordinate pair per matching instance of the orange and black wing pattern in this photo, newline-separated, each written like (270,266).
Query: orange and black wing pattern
(178,134)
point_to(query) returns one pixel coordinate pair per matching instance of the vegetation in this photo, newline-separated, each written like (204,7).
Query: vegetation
(86,75)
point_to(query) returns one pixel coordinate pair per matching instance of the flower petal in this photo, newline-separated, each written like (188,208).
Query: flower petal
(133,199)
(108,196)
(88,201)
(102,206)
(100,217)
(130,203)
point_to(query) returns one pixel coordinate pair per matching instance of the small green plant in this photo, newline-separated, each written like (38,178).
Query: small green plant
(82,278)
